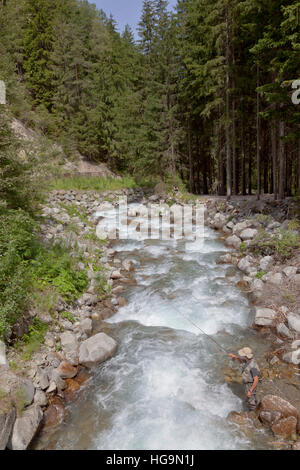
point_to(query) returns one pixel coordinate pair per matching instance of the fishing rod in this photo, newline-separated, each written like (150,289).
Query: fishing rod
(208,336)
(197,326)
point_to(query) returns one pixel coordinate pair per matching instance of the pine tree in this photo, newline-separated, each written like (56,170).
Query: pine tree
(38,45)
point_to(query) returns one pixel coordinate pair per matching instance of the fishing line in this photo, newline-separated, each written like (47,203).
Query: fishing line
(197,326)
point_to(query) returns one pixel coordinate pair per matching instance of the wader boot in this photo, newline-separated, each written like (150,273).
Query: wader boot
(252,401)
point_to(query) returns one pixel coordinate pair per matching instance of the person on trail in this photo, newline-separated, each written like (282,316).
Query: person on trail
(250,374)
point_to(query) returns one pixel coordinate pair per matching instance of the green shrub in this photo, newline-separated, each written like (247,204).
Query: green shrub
(56,267)
(282,244)
(18,245)
(29,271)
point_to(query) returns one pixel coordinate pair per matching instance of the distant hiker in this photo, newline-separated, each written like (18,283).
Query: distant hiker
(250,374)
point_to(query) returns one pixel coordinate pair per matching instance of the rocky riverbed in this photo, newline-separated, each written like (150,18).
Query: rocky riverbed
(36,398)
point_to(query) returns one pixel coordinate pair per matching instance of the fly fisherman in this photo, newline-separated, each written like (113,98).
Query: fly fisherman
(250,374)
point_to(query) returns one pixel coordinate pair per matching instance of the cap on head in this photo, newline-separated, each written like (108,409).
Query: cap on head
(246,352)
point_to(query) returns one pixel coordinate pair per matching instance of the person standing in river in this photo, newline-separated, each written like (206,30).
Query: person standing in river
(250,374)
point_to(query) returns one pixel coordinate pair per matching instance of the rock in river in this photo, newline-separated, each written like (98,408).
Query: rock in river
(96,349)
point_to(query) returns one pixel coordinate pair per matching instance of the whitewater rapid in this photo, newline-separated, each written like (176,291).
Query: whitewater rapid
(164,389)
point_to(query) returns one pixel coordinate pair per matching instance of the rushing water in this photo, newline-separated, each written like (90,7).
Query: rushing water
(164,388)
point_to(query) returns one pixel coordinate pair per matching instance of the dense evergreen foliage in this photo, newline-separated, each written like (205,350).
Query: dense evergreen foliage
(204,94)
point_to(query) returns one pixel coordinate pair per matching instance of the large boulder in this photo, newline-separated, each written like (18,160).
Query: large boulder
(290,271)
(20,390)
(266,262)
(275,278)
(246,265)
(277,408)
(219,221)
(238,228)
(257,284)
(66,370)
(40,398)
(296,279)
(233,241)
(248,234)
(96,349)
(3,360)
(225,259)
(70,347)
(292,357)
(264,316)
(87,300)
(25,428)
(294,322)
(41,379)
(285,427)
(116,275)
(7,419)
(86,326)
(283,330)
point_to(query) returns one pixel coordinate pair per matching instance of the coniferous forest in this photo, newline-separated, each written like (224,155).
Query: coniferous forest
(203,96)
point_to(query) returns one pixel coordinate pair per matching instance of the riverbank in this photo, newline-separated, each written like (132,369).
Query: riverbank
(56,371)
(40,375)
(264,238)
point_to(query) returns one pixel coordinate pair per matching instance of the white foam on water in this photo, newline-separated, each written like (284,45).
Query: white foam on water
(170,405)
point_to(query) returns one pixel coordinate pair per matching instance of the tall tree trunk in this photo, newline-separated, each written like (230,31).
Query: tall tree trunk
(298,188)
(258,139)
(243,160)
(281,161)
(235,185)
(274,159)
(265,156)
(221,168)
(228,146)
(191,163)
(249,167)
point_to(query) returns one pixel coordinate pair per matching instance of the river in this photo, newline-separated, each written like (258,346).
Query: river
(164,389)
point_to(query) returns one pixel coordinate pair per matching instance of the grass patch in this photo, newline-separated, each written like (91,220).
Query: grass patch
(263,219)
(32,341)
(260,274)
(289,298)
(68,316)
(44,300)
(74,211)
(3,394)
(243,247)
(94,183)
